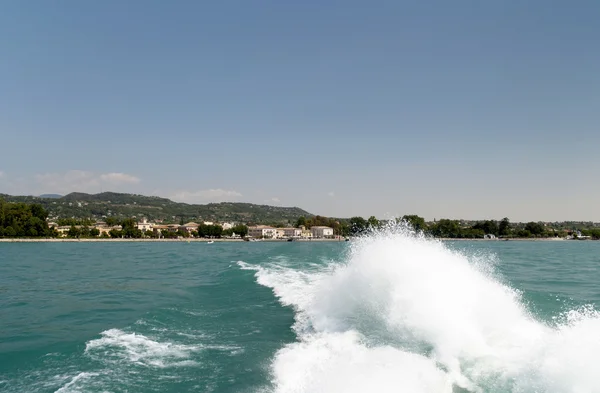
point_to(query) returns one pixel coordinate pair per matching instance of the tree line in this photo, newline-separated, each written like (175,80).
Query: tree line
(24,220)
(455,229)
(444,228)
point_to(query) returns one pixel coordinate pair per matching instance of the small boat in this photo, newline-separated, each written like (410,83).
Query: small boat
(210,242)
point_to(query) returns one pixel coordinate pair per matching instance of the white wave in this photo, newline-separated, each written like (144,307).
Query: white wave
(405,313)
(73,385)
(117,345)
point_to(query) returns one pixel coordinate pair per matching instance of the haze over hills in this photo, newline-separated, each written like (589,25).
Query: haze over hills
(111,204)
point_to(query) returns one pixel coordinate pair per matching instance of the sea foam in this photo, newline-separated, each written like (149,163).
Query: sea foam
(117,346)
(406,313)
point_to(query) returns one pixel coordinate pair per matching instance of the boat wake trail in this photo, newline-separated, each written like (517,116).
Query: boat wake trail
(406,313)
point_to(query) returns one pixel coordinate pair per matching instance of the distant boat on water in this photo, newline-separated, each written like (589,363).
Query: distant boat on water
(210,242)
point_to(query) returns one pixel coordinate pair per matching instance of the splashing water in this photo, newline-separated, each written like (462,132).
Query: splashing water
(404,313)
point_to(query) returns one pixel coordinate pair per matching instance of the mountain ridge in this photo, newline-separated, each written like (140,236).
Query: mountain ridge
(113,204)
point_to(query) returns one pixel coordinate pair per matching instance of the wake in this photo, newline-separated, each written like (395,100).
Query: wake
(405,313)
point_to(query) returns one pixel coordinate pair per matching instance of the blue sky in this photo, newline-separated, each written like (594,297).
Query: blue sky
(458,109)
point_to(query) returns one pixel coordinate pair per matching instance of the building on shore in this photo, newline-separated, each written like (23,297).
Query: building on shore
(227,225)
(159,229)
(262,232)
(105,229)
(144,225)
(322,232)
(64,229)
(292,232)
(305,233)
(189,227)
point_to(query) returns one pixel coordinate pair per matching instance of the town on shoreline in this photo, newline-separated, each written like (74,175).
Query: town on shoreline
(22,220)
(143,229)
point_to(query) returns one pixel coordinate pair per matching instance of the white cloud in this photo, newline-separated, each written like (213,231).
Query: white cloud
(83,181)
(117,178)
(204,196)
(331,194)
(272,201)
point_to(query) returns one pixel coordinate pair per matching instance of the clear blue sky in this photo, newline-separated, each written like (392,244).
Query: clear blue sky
(449,109)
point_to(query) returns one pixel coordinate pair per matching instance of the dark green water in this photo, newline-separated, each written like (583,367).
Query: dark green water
(370,316)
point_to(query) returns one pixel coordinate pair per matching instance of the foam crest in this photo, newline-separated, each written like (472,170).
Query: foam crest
(406,313)
(339,362)
(73,386)
(116,345)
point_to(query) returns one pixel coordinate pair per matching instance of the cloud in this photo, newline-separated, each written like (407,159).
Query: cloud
(118,178)
(272,201)
(1,174)
(82,181)
(204,196)
(331,194)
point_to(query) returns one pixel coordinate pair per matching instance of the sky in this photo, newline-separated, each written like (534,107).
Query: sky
(445,109)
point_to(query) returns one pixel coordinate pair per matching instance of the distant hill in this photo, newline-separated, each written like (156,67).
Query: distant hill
(98,206)
(51,196)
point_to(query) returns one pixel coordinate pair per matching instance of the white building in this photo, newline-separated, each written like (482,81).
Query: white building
(227,225)
(292,232)
(144,225)
(262,231)
(321,232)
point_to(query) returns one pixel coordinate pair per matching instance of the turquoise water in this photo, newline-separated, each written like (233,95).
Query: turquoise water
(386,313)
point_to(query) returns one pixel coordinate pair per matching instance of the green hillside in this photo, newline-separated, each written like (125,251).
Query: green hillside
(111,204)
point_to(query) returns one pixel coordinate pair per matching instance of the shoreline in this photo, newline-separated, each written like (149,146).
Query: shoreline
(184,240)
(190,240)
(546,239)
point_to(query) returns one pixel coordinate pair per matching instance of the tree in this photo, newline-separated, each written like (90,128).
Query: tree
(488,227)
(85,231)
(535,228)
(94,232)
(111,221)
(358,225)
(446,228)
(418,223)
(504,227)
(22,219)
(182,233)
(344,229)
(373,222)
(130,229)
(210,230)
(38,211)
(523,233)
(74,232)
(241,230)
